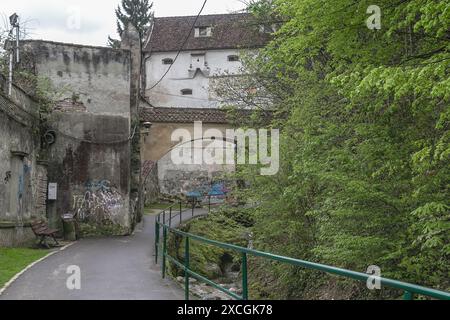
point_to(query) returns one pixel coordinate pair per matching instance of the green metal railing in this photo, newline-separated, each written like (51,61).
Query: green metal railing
(166,218)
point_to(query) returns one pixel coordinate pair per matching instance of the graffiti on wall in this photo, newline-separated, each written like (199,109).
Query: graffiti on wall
(101,201)
(7,177)
(95,186)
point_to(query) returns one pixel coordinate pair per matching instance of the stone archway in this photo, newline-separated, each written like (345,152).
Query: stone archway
(194,165)
(157,142)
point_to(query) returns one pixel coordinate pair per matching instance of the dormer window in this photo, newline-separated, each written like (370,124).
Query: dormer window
(233,58)
(203,32)
(268,29)
(167,61)
(186,92)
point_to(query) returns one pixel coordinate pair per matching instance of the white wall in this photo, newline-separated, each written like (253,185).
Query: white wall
(168,92)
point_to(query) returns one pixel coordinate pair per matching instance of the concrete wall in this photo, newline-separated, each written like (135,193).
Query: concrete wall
(183,75)
(158,141)
(90,160)
(96,77)
(93,178)
(23,184)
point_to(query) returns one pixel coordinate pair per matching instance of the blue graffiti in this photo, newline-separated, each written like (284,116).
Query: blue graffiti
(103,185)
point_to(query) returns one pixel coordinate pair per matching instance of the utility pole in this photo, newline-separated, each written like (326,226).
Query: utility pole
(15,26)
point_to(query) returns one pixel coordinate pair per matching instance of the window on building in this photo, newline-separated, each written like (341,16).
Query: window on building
(202,32)
(186,92)
(233,58)
(167,61)
(268,29)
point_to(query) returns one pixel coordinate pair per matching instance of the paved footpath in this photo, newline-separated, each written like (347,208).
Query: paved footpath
(119,268)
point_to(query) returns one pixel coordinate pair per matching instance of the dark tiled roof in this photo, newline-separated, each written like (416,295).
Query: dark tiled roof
(190,115)
(183,115)
(229,31)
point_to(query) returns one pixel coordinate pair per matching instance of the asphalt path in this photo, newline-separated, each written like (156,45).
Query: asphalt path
(116,268)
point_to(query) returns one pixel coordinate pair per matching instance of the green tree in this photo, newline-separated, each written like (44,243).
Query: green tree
(139,13)
(113,43)
(365,119)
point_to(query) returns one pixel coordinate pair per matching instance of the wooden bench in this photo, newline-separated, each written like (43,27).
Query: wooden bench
(42,232)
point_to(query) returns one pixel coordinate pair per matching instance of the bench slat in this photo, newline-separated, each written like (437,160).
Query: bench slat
(41,228)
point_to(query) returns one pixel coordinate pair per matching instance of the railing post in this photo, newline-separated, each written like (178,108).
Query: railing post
(164,251)
(244,277)
(156,239)
(170,218)
(186,269)
(193,206)
(181,207)
(164,217)
(408,296)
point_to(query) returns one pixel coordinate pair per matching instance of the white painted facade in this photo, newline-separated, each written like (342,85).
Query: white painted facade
(192,70)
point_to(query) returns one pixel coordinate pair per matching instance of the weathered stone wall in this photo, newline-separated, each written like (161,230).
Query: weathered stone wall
(93,178)
(39,186)
(174,179)
(92,79)
(22,178)
(90,160)
(158,141)
(179,179)
(150,181)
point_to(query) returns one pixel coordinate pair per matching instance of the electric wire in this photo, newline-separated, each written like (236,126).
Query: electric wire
(179,51)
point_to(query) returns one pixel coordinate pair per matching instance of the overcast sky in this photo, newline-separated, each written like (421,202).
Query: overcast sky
(91,21)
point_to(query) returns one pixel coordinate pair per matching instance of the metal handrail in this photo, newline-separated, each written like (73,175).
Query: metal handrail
(410,290)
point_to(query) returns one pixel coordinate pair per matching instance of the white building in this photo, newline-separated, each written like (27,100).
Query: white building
(181,61)
(213,48)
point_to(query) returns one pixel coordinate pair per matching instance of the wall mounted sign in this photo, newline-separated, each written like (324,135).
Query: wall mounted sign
(52,191)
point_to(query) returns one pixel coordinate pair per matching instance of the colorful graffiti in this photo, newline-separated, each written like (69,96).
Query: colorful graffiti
(94,186)
(100,202)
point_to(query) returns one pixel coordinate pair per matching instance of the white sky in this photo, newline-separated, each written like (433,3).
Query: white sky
(91,21)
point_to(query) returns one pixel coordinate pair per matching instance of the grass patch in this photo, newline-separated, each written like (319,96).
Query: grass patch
(14,260)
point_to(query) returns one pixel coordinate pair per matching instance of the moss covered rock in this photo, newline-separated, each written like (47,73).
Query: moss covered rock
(210,261)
